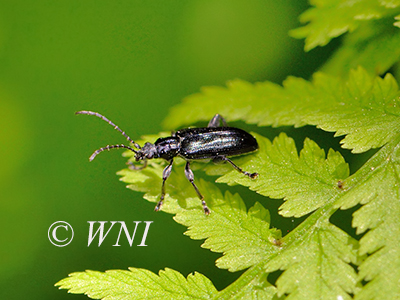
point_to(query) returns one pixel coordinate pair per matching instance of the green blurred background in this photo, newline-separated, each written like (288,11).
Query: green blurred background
(132,61)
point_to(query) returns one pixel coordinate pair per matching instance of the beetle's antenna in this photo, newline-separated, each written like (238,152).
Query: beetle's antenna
(92,113)
(108,147)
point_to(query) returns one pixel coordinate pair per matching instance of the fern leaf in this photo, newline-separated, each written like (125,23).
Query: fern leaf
(316,258)
(374,46)
(226,229)
(376,186)
(138,284)
(306,182)
(316,255)
(245,238)
(332,18)
(363,108)
(317,266)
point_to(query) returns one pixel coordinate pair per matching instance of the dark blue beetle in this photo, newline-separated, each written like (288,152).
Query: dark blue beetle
(213,142)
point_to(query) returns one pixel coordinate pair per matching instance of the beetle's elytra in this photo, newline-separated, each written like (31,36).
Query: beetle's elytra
(213,142)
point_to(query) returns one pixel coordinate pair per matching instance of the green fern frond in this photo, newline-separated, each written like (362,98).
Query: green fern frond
(308,182)
(138,284)
(374,46)
(331,18)
(363,108)
(317,258)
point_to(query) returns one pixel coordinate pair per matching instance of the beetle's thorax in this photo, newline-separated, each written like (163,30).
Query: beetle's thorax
(166,148)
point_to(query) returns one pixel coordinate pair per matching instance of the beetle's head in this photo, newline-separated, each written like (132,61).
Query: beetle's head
(148,151)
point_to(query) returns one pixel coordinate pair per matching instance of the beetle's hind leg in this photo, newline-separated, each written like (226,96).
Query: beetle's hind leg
(223,158)
(216,120)
(189,175)
(166,173)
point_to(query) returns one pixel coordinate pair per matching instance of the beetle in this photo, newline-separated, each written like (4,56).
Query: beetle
(213,142)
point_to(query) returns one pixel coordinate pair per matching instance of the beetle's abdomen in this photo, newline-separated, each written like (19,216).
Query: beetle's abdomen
(208,142)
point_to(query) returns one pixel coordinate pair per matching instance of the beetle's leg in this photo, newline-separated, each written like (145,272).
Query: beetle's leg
(189,175)
(132,166)
(216,120)
(251,175)
(166,173)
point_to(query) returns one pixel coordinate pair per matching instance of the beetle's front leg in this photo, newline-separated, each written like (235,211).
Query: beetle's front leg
(216,120)
(189,175)
(132,166)
(166,173)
